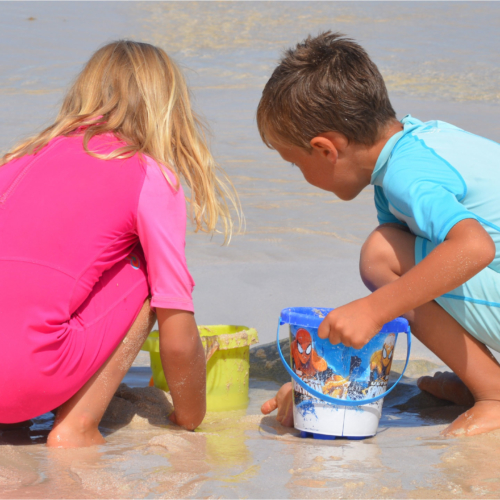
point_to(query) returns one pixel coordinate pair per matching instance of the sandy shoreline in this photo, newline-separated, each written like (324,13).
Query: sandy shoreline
(243,454)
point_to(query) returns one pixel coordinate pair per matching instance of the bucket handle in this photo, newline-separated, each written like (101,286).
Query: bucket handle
(211,346)
(336,401)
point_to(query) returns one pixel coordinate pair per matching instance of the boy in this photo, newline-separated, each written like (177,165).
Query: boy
(435,258)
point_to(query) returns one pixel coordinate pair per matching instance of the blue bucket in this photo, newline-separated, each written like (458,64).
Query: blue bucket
(338,390)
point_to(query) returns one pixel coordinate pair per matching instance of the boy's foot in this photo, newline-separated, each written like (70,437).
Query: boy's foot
(447,386)
(283,402)
(483,417)
(64,435)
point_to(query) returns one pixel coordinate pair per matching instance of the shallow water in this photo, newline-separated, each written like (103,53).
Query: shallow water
(242,454)
(300,249)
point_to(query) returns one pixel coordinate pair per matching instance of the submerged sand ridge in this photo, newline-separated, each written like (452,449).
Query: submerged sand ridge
(244,454)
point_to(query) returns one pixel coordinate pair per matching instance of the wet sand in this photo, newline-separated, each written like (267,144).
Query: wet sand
(300,248)
(243,454)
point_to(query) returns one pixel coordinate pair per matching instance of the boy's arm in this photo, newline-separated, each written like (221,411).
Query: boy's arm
(183,361)
(466,250)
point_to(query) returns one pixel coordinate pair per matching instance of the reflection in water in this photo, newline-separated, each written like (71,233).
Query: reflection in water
(237,454)
(335,465)
(226,441)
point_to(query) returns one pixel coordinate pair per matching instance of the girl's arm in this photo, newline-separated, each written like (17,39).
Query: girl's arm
(183,360)
(467,249)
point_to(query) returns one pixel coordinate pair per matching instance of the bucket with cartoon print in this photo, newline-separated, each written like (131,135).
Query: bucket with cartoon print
(338,391)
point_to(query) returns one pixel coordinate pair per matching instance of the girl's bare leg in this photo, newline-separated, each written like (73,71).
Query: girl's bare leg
(77,420)
(388,254)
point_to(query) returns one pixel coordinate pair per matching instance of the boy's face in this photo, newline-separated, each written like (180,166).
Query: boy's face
(327,169)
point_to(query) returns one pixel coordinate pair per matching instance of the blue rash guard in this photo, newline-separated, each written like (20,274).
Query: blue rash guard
(430,176)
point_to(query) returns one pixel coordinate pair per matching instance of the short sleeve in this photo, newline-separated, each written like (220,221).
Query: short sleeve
(426,191)
(384,215)
(161,227)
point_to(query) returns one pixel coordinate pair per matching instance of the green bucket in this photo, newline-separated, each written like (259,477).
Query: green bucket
(227,349)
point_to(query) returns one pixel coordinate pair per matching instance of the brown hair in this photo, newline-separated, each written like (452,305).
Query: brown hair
(135,91)
(326,83)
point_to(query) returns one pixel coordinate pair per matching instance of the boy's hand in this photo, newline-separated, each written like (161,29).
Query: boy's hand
(467,249)
(353,324)
(283,402)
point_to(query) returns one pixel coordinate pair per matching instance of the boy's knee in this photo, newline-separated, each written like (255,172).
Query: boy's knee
(374,259)
(381,259)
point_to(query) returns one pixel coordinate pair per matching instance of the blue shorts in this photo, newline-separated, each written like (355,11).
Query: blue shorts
(475,304)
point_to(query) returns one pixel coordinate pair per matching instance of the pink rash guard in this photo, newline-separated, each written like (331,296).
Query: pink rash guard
(73,275)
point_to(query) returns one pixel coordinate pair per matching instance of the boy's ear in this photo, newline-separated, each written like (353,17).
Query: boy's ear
(329,145)
(325,148)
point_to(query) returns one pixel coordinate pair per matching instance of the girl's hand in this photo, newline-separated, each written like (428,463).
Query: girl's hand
(283,402)
(353,324)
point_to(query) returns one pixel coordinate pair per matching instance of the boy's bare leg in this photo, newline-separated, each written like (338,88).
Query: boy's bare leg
(77,420)
(388,254)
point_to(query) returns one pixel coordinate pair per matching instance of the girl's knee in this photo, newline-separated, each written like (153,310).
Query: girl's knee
(386,254)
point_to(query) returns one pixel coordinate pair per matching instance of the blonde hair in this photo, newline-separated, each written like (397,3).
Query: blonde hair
(135,91)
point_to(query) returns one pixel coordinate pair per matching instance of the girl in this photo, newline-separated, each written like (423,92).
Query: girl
(92,224)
